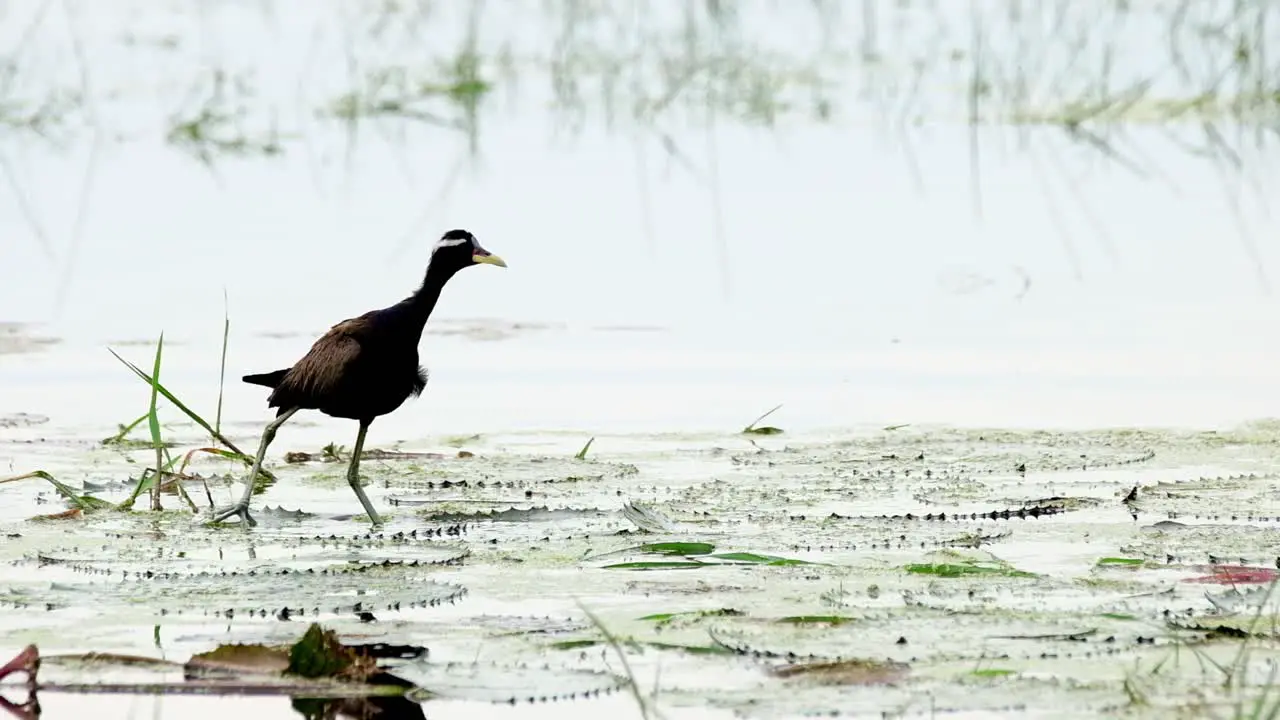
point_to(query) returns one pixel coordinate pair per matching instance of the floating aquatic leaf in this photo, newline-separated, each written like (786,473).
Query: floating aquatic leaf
(238,660)
(756,559)
(676,548)
(486,682)
(74,513)
(952,570)
(1118,616)
(691,649)
(818,619)
(657,565)
(647,518)
(319,654)
(753,427)
(700,550)
(288,578)
(1122,561)
(667,617)
(573,644)
(846,672)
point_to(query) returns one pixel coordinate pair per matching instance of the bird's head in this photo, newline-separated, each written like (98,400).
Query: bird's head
(458,249)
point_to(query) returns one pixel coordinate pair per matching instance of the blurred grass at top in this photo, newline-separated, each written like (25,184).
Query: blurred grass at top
(254,77)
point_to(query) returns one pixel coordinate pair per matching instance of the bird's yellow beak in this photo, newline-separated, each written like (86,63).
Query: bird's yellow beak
(488,258)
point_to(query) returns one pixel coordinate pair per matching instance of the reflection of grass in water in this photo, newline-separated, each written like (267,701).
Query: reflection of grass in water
(398,93)
(711,60)
(1062,72)
(1060,64)
(212,123)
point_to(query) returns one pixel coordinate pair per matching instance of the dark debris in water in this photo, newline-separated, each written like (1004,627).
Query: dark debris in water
(21,419)
(1027,513)
(516,515)
(16,338)
(294,457)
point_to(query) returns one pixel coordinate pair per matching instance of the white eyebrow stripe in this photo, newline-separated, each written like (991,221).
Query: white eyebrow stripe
(450,242)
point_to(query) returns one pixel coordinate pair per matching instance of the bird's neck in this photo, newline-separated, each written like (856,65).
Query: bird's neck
(419,305)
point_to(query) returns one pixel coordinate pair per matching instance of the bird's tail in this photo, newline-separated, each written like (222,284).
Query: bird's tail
(271,379)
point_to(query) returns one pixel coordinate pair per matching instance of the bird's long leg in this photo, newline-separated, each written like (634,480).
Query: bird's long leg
(353,473)
(241,508)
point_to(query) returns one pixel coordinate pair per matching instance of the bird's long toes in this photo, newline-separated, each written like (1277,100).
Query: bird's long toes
(242,511)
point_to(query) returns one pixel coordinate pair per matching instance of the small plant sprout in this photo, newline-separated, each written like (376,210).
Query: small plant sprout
(195,417)
(153,420)
(84,503)
(222,368)
(755,428)
(644,706)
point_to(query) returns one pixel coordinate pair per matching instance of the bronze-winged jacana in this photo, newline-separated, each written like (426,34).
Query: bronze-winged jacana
(363,367)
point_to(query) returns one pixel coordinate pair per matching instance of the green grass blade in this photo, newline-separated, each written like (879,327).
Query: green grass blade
(817,619)
(754,427)
(953,570)
(189,412)
(153,421)
(124,431)
(85,503)
(222,370)
(758,559)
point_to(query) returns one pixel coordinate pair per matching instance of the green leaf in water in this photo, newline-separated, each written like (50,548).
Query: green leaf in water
(573,644)
(817,619)
(1130,562)
(994,672)
(691,649)
(756,559)
(951,570)
(119,438)
(753,428)
(718,612)
(1119,616)
(318,654)
(657,565)
(677,548)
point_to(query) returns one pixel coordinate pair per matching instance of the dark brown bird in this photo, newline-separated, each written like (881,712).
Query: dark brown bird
(363,367)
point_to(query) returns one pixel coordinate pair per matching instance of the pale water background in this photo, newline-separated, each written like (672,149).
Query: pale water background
(849,268)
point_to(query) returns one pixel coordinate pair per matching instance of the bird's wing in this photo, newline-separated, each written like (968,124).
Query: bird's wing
(319,371)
